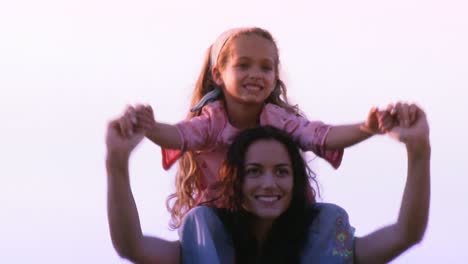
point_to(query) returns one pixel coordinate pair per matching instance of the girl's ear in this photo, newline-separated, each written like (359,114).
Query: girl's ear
(216,74)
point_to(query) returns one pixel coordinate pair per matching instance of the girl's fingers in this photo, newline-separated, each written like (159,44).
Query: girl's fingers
(391,109)
(145,118)
(135,120)
(386,122)
(371,124)
(149,110)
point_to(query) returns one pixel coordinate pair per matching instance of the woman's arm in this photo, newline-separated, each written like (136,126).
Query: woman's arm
(124,224)
(387,243)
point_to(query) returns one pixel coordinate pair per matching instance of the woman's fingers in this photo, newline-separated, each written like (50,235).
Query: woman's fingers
(413,111)
(403,115)
(127,122)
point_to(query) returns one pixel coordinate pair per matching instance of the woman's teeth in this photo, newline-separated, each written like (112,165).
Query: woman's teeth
(267,198)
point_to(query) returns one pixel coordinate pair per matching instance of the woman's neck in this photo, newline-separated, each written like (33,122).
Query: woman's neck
(261,228)
(243,116)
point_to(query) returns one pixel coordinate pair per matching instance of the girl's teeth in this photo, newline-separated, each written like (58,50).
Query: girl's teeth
(252,87)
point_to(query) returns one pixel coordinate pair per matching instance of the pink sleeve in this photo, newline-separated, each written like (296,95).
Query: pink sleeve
(310,135)
(197,133)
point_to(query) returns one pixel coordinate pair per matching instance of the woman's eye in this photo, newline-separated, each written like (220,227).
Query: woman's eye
(282,172)
(252,172)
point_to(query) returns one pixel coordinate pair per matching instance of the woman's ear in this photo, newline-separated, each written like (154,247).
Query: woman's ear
(216,74)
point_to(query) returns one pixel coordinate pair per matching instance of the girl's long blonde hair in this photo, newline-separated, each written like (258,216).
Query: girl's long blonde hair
(188,185)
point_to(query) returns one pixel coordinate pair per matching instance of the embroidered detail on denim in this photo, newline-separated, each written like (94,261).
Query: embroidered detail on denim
(343,239)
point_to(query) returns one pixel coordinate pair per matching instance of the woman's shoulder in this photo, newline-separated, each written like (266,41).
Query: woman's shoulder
(330,217)
(331,236)
(327,210)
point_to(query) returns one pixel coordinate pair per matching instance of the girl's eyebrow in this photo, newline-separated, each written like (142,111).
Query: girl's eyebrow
(269,60)
(243,58)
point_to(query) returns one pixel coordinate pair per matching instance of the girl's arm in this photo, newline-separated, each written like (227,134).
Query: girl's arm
(124,224)
(343,136)
(377,122)
(387,243)
(164,135)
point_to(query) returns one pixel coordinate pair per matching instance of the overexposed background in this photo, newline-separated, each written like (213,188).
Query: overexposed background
(67,67)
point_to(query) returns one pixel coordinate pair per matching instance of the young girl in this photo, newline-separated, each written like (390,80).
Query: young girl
(239,87)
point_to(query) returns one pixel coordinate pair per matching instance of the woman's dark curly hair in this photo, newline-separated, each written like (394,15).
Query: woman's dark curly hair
(288,236)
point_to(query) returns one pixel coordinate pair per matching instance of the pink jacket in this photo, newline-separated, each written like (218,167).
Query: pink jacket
(210,134)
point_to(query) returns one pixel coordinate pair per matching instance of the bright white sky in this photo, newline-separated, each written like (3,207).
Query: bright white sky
(67,67)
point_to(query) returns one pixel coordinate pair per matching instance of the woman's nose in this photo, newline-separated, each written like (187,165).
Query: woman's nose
(268,180)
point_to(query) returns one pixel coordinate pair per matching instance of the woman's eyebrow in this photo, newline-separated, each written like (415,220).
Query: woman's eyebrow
(253,164)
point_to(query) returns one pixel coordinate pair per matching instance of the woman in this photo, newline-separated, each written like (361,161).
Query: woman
(260,218)
(269,219)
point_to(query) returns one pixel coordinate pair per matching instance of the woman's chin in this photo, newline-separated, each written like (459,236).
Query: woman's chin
(270,214)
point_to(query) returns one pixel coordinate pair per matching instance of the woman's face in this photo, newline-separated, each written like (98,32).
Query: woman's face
(268,179)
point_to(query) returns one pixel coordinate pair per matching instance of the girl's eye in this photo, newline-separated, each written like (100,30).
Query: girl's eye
(243,65)
(267,68)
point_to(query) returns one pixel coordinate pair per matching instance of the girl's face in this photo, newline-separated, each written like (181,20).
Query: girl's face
(268,179)
(249,75)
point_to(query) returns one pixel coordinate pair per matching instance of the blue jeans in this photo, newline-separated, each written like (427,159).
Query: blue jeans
(204,239)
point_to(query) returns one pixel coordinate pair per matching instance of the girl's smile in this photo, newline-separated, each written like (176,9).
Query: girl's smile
(249,75)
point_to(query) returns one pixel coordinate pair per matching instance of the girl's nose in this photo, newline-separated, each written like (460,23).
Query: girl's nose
(256,73)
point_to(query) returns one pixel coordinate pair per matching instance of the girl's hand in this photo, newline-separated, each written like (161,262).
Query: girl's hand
(378,121)
(145,117)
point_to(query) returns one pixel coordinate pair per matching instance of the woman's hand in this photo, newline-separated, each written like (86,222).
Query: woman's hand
(412,127)
(122,135)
